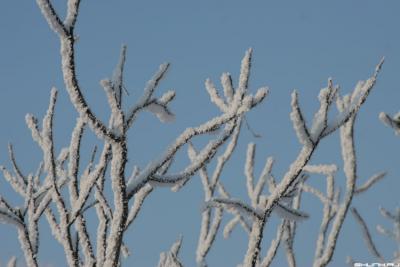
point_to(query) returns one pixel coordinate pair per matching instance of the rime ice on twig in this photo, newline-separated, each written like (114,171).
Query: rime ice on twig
(118,76)
(359,96)
(72,14)
(391,122)
(170,259)
(145,100)
(274,246)
(371,181)
(348,107)
(299,123)
(290,214)
(12,262)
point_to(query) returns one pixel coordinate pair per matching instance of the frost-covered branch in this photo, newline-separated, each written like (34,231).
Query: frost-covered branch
(350,170)
(76,196)
(310,143)
(299,123)
(392,234)
(234,204)
(210,228)
(358,98)
(67,41)
(158,108)
(12,262)
(391,122)
(170,259)
(273,248)
(370,182)
(52,17)
(72,14)
(329,210)
(109,240)
(367,236)
(21,177)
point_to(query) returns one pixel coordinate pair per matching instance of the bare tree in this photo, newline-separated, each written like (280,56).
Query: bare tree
(62,194)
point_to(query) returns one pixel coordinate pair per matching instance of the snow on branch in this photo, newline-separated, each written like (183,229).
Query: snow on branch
(357,98)
(118,76)
(137,205)
(86,187)
(7,207)
(145,100)
(298,121)
(74,157)
(229,91)
(113,102)
(215,98)
(13,181)
(32,123)
(245,72)
(204,156)
(161,111)
(319,194)
(52,17)
(234,204)
(249,169)
(238,217)
(210,227)
(9,218)
(264,176)
(370,182)
(321,169)
(170,259)
(348,106)
(349,168)
(320,122)
(72,14)
(290,214)
(21,177)
(391,122)
(273,248)
(68,63)
(12,262)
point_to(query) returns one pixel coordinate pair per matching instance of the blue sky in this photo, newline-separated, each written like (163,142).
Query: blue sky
(297,45)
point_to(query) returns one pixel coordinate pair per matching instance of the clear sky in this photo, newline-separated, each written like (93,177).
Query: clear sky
(297,45)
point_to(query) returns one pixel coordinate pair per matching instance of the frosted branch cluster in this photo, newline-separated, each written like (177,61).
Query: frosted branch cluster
(393,217)
(43,190)
(284,197)
(64,187)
